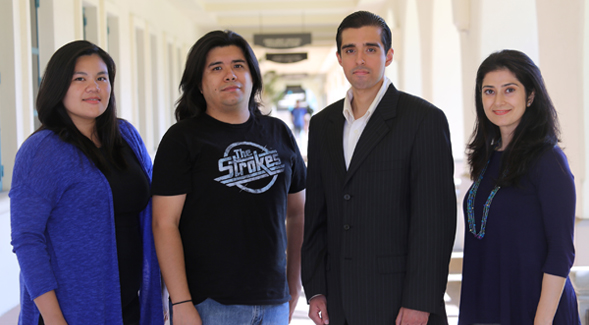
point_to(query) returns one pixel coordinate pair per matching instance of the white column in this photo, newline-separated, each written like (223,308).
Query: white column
(425,12)
(561,56)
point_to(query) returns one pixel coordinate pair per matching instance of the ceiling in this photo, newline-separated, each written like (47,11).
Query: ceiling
(318,17)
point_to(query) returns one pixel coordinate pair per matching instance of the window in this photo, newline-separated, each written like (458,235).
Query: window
(36,71)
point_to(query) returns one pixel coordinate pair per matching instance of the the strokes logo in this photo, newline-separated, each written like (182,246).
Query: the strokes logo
(250,167)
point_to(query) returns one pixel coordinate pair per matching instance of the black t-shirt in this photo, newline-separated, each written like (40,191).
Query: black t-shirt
(237,178)
(130,193)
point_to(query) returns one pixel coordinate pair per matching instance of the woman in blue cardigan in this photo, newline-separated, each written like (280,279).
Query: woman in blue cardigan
(80,203)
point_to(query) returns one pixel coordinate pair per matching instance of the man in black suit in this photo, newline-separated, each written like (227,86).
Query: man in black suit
(380,214)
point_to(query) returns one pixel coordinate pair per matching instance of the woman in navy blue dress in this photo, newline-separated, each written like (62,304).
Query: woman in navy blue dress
(520,211)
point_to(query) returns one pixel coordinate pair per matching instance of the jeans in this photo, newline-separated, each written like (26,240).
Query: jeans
(214,313)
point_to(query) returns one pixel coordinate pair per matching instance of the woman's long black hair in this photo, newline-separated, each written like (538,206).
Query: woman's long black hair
(53,114)
(537,130)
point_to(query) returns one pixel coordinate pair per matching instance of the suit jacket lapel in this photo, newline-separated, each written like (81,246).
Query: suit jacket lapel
(375,130)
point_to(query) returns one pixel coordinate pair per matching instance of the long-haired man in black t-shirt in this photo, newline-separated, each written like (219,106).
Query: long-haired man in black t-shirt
(228,195)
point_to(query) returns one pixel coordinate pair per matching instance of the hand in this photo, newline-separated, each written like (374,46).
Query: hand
(411,317)
(318,310)
(541,322)
(542,319)
(185,314)
(49,308)
(294,298)
(55,322)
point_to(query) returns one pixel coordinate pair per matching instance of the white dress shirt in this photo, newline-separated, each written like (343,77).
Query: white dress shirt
(353,128)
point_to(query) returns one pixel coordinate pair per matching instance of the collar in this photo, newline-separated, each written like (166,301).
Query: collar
(349,114)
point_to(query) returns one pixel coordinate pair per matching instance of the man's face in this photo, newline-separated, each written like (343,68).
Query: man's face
(226,80)
(363,57)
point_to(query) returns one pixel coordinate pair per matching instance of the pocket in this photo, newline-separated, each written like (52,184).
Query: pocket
(387,264)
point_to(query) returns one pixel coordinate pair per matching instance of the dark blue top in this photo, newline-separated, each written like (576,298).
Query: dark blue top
(529,232)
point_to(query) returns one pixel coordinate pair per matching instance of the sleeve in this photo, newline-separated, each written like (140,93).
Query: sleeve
(314,248)
(432,220)
(31,201)
(299,169)
(556,193)
(172,166)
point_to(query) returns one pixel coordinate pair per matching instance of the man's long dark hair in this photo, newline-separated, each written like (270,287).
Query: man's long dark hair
(537,130)
(192,102)
(53,114)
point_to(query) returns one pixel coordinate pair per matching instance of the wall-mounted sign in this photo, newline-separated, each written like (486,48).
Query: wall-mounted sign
(286,57)
(282,41)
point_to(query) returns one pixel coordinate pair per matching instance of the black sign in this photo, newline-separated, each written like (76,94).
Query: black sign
(282,41)
(286,57)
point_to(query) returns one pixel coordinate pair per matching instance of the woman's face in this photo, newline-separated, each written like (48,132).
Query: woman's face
(89,92)
(504,99)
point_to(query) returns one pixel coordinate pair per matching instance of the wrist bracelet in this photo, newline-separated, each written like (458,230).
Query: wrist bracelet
(181,302)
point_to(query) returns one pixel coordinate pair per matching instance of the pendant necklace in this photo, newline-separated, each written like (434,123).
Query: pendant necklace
(470,206)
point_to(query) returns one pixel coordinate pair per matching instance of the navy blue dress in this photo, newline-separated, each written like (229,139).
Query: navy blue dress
(529,232)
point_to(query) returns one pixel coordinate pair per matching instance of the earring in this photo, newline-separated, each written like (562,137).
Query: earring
(529,103)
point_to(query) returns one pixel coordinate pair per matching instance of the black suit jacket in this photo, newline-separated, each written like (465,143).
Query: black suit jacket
(379,235)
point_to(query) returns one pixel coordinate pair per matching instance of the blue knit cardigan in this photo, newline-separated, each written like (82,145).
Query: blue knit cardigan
(63,233)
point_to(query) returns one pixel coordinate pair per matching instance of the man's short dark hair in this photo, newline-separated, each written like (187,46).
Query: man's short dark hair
(361,19)
(192,102)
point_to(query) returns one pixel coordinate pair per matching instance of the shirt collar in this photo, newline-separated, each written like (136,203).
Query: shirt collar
(349,114)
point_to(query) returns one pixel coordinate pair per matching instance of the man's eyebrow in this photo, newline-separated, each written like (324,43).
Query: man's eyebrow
(214,63)
(372,44)
(221,62)
(347,46)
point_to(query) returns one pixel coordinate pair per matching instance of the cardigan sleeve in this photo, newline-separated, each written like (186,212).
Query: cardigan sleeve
(556,192)
(34,189)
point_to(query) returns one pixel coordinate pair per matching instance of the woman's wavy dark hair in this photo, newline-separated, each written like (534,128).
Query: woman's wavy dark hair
(192,102)
(537,130)
(53,114)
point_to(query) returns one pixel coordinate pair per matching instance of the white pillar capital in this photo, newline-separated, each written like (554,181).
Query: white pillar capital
(461,14)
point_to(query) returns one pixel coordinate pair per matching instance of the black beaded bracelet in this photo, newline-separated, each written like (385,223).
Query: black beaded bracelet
(181,302)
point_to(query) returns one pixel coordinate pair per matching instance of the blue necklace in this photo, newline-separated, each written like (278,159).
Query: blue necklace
(470,206)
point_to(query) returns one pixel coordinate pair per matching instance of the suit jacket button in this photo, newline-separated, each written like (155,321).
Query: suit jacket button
(347,197)
(346,227)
